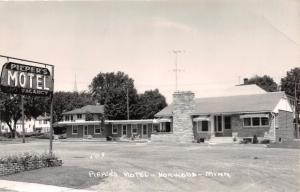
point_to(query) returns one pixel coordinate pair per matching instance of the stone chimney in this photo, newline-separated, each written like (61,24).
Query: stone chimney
(245,81)
(184,104)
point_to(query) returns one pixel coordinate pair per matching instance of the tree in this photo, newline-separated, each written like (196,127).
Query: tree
(67,101)
(110,90)
(288,83)
(265,82)
(149,103)
(10,111)
(291,86)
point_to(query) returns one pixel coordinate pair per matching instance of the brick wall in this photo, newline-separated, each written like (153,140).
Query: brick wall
(285,129)
(182,120)
(237,127)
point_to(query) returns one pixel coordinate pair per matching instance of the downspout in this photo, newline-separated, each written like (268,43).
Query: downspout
(274,124)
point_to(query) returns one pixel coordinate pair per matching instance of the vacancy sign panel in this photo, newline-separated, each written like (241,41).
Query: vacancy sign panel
(26,80)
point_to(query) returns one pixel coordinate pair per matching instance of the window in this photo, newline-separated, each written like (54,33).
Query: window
(74,129)
(134,129)
(97,129)
(79,116)
(40,121)
(45,121)
(71,117)
(115,129)
(202,126)
(264,121)
(67,118)
(255,121)
(227,122)
(247,122)
(144,129)
(124,130)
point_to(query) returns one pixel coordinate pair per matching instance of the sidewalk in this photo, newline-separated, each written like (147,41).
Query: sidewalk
(14,186)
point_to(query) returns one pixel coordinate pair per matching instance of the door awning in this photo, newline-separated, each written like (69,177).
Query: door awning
(201,119)
(254,115)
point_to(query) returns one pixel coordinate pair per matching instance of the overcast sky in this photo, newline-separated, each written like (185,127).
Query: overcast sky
(222,39)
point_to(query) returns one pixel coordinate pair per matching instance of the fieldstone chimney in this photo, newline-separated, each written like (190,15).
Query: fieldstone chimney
(184,104)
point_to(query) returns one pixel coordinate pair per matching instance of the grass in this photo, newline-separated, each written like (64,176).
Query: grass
(251,167)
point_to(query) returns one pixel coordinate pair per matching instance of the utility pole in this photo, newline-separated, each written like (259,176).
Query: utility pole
(176,70)
(127,102)
(23,119)
(296,114)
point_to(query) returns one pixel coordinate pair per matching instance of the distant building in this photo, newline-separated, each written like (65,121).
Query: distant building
(42,124)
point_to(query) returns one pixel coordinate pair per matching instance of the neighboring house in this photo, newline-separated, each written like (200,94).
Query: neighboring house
(79,125)
(28,125)
(264,114)
(42,124)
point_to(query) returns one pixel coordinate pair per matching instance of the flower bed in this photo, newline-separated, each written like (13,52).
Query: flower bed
(11,164)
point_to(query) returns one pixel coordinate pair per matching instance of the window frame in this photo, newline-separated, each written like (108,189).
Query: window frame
(260,122)
(113,127)
(95,133)
(134,127)
(79,116)
(199,126)
(73,126)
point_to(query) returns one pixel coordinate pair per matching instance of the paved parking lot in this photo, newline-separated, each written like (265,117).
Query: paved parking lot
(104,166)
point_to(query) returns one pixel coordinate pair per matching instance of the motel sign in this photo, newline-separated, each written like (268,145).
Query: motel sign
(26,80)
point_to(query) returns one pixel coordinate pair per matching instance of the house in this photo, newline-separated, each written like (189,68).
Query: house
(264,114)
(29,125)
(87,122)
(42,123)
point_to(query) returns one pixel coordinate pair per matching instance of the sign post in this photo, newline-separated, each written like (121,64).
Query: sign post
(21,79)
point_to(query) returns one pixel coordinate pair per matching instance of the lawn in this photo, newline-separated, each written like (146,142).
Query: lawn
(165,167)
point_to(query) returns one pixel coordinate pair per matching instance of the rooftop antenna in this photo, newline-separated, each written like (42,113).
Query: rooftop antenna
(75,85)
(176,70)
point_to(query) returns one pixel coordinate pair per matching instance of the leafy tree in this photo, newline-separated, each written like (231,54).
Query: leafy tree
(265,82)
(288,84)
(10,111)
(149,104)
(89,116)
(110,90)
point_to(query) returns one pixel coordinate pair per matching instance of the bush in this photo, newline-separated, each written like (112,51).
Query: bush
(254,141)
(108,138)
(265,141)
(26,156)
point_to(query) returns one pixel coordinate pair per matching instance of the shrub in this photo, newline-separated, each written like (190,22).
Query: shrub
(26,156)
(265,141)
(254,141)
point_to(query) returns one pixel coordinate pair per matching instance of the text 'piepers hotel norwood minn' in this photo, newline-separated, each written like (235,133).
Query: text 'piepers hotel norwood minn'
(250,111)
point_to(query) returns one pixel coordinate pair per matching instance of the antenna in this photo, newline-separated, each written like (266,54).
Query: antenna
(75,84)
(176,70)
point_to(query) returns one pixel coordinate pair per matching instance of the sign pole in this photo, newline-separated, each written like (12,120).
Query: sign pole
(23,119)
(51,116)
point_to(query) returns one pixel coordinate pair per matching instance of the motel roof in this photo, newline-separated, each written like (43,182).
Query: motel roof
(94,109)
(253,103)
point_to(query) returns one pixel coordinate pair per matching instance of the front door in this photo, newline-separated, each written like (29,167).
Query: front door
(218,125)
(145,131)
(227,126)
(85,130)
(124,130)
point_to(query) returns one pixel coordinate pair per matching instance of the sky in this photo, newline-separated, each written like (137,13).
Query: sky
(223,41)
